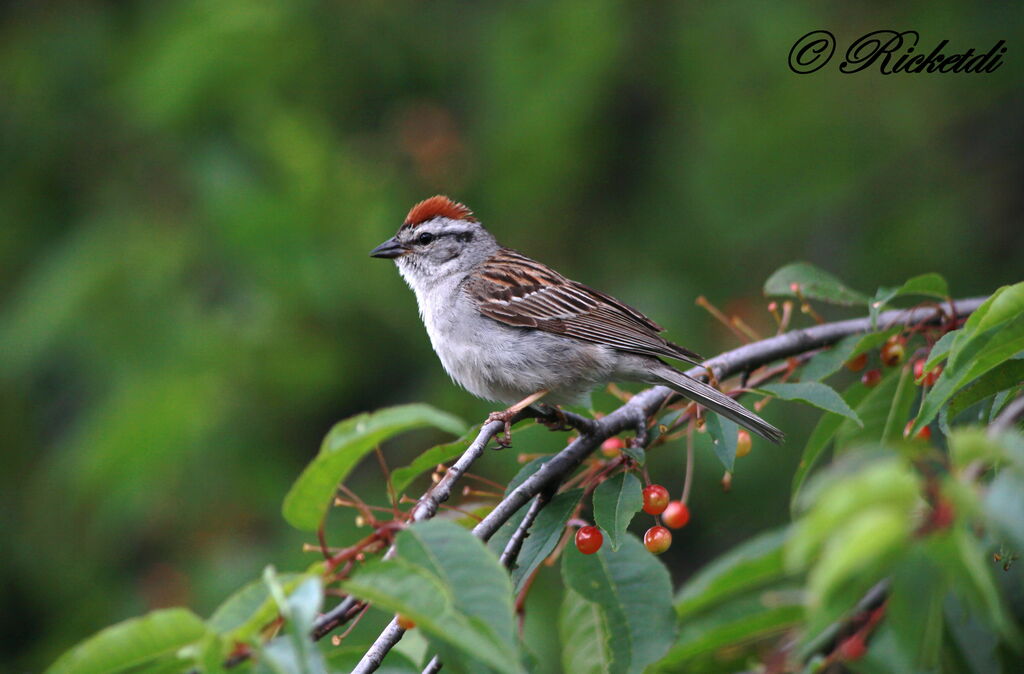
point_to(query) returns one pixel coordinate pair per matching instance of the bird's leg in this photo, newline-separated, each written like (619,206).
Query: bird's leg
(711,378)
(505,416)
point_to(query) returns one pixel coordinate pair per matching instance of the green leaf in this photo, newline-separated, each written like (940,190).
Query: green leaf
(971,357)
(584,636)
(632,590)
(940,350)
(1005,305)
(820,439)
(858,545)
(1000,378)
(814,284)
(616,501)
(1004,505)
(302,605)
(636,453)
(858,554)
(402,477)
(974,580)
(914,610)
(931,285)
(873,412)
(526,471)
(970,647)
(1002,399)
(829,361)
(547,530)
(544,535)
(723,434)
(840,495)
(755,563)
(293,652)
(968,444)
(446,581)
(899,410)
(132,643)
(879,303)
(815,394)
(345,445)
(722,632)
(245,612)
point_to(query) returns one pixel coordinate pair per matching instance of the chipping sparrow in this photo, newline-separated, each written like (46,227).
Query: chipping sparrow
(510,329)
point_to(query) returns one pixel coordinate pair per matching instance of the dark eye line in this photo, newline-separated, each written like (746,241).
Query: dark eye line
(427,238)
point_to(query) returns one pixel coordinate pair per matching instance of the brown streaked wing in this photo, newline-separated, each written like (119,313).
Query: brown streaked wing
(518,291)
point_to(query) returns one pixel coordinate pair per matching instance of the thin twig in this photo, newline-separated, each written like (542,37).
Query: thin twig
(1007,418)
(340,614)
(627,416)
(515,543)
(688,480)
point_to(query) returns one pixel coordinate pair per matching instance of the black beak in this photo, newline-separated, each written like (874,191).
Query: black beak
(390,249)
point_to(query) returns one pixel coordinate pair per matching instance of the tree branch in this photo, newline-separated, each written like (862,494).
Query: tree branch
(633,415)
(515,543)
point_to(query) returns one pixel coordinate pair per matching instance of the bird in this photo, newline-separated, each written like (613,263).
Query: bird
(512,330)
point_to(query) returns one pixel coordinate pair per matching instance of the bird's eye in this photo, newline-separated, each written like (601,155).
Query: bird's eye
(464,237)
(424,238)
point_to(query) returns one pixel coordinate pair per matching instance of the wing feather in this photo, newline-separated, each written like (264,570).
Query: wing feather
(518,291)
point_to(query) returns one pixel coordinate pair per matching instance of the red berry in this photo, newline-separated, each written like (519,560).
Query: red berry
(742,443)
(589,540)
(857,364)
(893,351)
(404,622)
(655,499)
(794,287)
(924,434)
(657,540)
(612,446)
(925,378)
(943,514)
(853,648)
(871,378)
(676,515)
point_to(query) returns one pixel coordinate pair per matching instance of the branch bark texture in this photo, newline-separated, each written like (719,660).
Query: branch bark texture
(633,415)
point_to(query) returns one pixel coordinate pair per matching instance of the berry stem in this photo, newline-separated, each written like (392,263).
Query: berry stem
(688,480)
(723,319)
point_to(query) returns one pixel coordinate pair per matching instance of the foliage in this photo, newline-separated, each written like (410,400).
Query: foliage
(190,190)
(887,564)
(347,443)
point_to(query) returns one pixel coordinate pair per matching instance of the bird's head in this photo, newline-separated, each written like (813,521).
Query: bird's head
(439,238)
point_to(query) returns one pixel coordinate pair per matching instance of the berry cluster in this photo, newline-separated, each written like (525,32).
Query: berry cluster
(657,539)
(656,501)
(891,354)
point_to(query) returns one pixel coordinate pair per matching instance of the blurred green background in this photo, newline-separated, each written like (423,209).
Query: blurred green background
(190,189)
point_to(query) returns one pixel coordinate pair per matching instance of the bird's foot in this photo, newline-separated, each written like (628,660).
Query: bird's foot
(554,418)
(506,416)
(504,440)
(710,377)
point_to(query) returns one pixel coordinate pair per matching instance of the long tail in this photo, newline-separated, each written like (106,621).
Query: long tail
(716,401)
